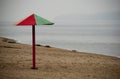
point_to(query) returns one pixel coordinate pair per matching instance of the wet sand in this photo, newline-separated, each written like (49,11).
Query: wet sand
(54,63)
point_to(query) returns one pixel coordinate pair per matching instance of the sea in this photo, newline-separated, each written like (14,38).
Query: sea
(99,38)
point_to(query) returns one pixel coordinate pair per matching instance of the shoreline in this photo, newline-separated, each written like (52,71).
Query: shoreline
(10,39)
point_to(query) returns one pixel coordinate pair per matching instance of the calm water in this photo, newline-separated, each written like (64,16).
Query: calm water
(95,38)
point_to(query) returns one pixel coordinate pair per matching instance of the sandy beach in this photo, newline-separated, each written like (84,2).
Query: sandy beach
(54,63)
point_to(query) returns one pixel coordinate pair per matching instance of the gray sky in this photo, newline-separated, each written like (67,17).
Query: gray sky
(14,10)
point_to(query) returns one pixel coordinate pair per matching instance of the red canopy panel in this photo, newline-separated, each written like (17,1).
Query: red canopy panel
(30,20)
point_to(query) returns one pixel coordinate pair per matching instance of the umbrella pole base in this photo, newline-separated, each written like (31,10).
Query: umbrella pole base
(35,68)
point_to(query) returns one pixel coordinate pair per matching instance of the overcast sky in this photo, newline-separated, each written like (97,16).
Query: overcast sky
(14,10)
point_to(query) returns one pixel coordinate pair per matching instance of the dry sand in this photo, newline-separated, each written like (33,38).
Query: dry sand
(54,63)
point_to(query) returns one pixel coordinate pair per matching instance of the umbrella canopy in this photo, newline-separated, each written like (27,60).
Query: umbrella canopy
(34,20)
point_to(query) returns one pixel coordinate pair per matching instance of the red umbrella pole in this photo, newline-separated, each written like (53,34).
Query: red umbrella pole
(33,48)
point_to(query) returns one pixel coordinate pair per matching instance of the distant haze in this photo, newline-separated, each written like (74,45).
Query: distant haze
(14,10)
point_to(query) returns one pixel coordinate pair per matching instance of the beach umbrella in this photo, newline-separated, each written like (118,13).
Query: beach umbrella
(33,20)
